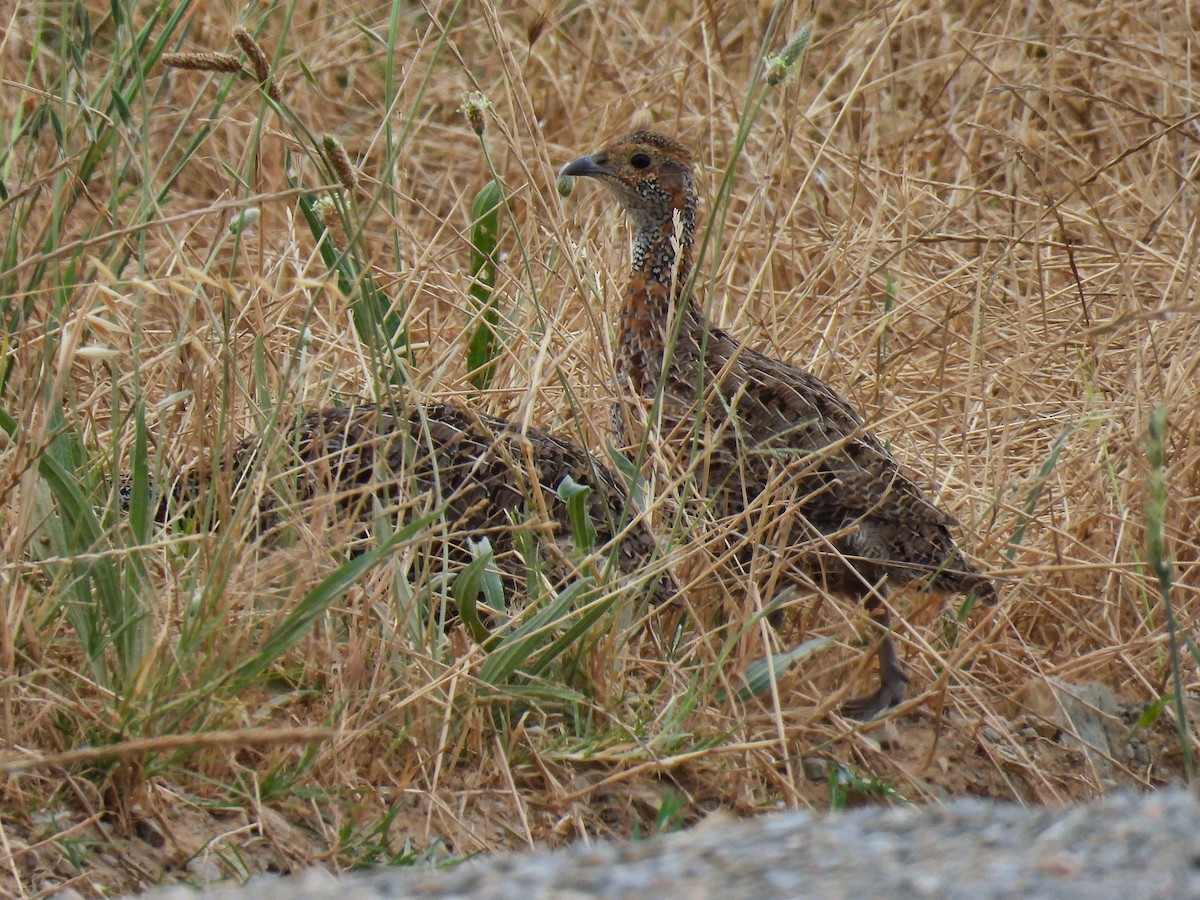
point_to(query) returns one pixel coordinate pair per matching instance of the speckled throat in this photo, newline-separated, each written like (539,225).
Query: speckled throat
(658,291)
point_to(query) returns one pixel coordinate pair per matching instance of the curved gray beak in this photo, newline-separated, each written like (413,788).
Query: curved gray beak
(587,165)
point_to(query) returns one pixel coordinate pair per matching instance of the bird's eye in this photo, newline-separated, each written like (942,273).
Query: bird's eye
(639,160)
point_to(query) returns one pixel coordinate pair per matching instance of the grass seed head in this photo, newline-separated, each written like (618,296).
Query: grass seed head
(339,161)
(258,62)
(474,105)
(202,62)
(782,67)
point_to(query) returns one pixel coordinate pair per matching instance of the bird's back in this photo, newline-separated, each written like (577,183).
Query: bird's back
(767,425)
(486,476)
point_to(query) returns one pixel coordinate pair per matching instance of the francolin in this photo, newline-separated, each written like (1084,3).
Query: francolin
(487,476)
(765,438)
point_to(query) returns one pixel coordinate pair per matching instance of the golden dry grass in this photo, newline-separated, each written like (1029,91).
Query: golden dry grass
(977,221)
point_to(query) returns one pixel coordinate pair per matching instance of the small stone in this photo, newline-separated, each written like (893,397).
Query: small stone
(204,869)
(887,735)
(1060,864)
(21,857)
(149,832)
(816,768)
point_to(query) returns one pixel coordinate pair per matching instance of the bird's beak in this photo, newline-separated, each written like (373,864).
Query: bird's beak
(586,165)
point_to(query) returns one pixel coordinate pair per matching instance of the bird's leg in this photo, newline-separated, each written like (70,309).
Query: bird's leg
(892,680)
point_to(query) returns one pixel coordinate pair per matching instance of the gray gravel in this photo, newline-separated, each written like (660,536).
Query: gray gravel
(1127,846)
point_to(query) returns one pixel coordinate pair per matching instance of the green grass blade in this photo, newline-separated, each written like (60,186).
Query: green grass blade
(1160,563)
(530,635)
(107,607)
(762,673)
(377,324)
(1039,484)
(141,516)
(479,577)
(317,601)
(485,234)
(583,530)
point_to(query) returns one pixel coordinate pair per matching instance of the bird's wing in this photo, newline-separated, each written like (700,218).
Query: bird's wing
(786,408)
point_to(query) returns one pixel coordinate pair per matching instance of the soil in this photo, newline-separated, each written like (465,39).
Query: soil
(169,837)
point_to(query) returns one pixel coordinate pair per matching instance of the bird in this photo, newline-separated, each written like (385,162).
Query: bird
(763,435)
(481,476)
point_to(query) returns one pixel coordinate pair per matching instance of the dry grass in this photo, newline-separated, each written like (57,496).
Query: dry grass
(978,221)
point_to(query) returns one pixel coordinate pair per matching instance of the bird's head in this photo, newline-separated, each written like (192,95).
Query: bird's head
(651,175)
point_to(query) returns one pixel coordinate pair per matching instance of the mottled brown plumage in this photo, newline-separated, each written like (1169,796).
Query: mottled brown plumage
(761,433)
(486,475)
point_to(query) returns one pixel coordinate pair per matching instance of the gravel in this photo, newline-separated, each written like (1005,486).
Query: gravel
(1124,846)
